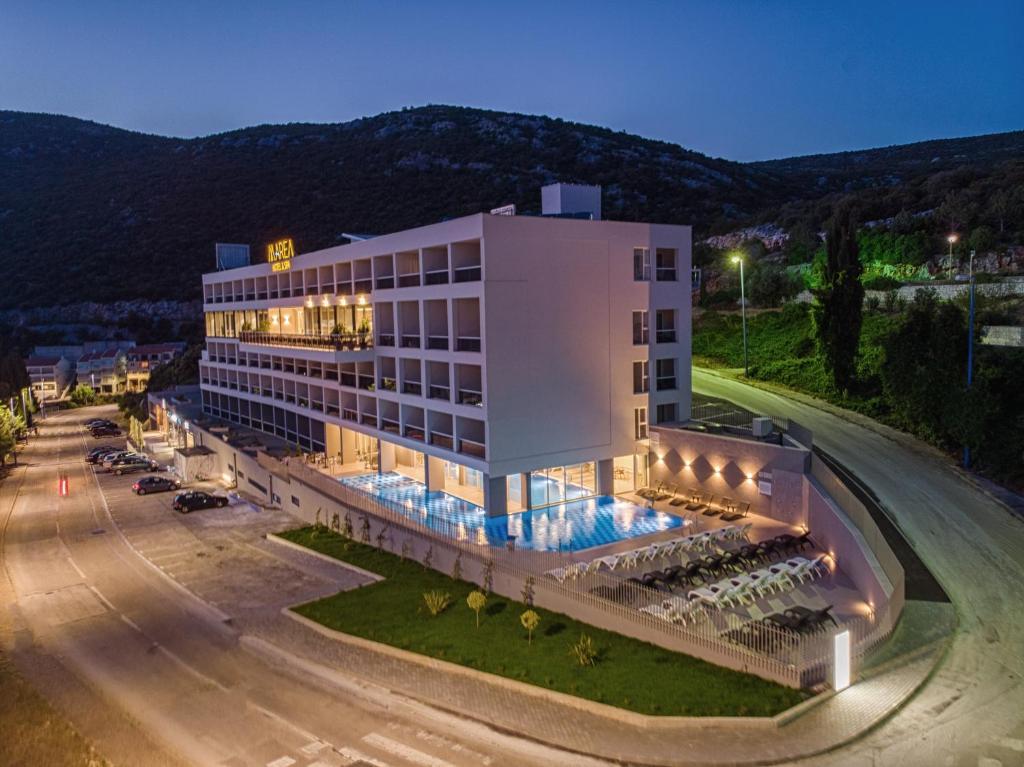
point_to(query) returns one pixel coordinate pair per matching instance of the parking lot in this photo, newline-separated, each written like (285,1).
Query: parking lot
(219,554)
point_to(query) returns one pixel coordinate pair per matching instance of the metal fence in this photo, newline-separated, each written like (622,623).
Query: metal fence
(604,600)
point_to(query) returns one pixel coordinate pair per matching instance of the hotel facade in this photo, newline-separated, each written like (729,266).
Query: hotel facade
(477,354)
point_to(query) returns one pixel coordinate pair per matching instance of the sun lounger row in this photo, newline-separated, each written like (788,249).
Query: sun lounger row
(705,503)
(746,588)
(765,634)
(676,610)
(627,560)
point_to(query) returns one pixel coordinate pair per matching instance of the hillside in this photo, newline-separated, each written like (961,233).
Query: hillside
(91,212)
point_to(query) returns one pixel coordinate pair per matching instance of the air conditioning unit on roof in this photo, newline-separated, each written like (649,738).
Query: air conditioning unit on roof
(762,426)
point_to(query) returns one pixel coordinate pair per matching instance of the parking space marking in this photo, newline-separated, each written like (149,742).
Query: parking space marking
(354,755)
(283,761)
(403,751)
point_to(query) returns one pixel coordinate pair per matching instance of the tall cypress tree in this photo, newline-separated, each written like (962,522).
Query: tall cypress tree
(838,310)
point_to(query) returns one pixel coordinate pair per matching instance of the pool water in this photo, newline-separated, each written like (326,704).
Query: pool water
(570,526)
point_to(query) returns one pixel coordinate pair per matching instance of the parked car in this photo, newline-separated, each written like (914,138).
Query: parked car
(155,485)
(132,463)
(96,453)
(95,423)
(106,431)
(197,499)
(117,455)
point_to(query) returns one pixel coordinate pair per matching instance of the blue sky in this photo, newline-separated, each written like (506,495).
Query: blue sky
(742,80)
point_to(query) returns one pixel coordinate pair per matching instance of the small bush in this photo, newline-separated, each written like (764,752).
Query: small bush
(437,601)
(881,282)
(476,601)
(530,621)
(584,651)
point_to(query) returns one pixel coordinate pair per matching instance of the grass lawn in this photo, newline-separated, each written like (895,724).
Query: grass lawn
(31,732)
(629,673)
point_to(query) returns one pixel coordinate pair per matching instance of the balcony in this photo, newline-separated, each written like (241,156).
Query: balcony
(442,440)
(392,427)
(471,397)
(385,283)
(387,384)
(665,336)
(415,432)
(437,342)
(436,277)
(386,339)
(412,387)
(350,415)
(666,383)
(368,419)
(340,342)
(410,342)
(409,280)
(468,273)
(467,344)
(473,448)
(439,392)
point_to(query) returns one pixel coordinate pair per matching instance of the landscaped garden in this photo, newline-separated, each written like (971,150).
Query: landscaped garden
(560,653)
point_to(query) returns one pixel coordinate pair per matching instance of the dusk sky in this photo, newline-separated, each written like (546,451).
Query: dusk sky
(742,80)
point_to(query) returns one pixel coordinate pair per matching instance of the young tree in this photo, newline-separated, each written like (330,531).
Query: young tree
(476,601)
(838,310)
(530,621)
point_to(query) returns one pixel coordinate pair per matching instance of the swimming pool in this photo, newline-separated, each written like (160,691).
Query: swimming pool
(569,526)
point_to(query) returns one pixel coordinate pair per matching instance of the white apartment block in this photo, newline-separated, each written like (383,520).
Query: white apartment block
(470,353)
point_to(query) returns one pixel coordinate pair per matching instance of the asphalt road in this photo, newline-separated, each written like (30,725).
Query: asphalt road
(152,674)
(971,712)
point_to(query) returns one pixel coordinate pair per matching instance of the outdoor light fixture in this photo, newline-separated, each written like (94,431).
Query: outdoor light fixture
(738,259)
(309,302)
(325,301)
(361,300)
(343,301)
(841,662)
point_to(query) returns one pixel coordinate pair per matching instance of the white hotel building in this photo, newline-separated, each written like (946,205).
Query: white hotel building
(470,353)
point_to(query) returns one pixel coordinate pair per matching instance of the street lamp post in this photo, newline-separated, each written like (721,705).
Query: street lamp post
(970,345)
(951,239)
(743,312)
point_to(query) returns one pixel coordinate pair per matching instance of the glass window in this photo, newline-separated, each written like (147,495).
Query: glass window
(667,413)
(666,373)
(640,329)
(665,325)
(640,423)
(641,264)
(641,380)
(665,264)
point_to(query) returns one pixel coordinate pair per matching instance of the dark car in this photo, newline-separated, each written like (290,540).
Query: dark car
(105,431)
(95,423)
(132,463)
(155,485)
(197,499)
(94,455)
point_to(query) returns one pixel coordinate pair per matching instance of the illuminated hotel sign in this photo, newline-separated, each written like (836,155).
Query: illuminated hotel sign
(280,255)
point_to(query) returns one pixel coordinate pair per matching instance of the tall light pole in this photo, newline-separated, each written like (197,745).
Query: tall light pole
(970,346)
(743,309)
(951,239)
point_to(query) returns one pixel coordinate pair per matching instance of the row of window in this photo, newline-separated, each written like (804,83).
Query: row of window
(291,426)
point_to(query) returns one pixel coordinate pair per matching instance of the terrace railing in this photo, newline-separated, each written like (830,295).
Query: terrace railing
(333,342)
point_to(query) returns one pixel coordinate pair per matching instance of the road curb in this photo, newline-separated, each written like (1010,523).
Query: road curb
(273,538)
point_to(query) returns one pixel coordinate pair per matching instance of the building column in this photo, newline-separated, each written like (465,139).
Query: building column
(433,473)
(385,456)
(606,476)
(348,445)
(526,490)
(496,495)
(332,439)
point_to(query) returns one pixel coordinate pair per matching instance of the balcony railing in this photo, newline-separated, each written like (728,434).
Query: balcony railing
(409,280)
(385,283)
(412,387)
(437,342)
(442,440)
(350,415)
(386,339)
(439,392)
(665,336)
(335,342)
(471,397)
(415,432)
(467,273)
(387,384)
(473,448)
(392,427)
(410,341)
(436,277)
(665,274)
(366,382)
(467,344)
(368,419)
(666,383)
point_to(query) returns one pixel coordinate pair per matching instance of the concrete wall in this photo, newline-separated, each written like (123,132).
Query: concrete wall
(690,459)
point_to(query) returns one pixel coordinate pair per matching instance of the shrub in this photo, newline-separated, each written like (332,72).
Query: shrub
(530,621)
(489,576)
(881,282)
(528,590)
(428,558)
(457,568)
(584,651)
(476,601)
(437,601)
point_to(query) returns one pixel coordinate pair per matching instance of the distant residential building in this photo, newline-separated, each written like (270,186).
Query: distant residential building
(103,371)
(140,361)
(50,376)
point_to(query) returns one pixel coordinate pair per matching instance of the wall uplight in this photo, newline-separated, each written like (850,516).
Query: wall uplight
(841,663)
(325,301)
(343,301)
(361,300)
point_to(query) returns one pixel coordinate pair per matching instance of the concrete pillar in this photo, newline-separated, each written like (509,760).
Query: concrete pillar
(348,445)
(606,477)
(332,439)
(496,495)
(433,473)
(385,456)
(526,490)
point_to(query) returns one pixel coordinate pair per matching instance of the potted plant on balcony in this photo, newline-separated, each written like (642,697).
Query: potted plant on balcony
(263,326)
(337,330)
